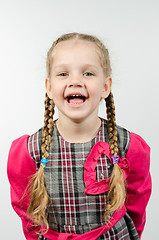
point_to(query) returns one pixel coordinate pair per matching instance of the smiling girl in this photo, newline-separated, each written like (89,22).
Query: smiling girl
(80,176)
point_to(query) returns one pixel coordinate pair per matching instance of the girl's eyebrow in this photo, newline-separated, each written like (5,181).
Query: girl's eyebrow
(67,65)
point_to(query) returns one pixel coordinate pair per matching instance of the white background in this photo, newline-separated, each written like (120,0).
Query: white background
(130,31)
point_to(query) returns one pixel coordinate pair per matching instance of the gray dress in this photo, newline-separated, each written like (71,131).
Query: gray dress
(70,210)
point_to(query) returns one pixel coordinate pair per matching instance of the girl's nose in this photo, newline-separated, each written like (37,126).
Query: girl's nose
(75,81)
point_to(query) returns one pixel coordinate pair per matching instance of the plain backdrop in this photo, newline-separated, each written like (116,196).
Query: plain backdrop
(130,30)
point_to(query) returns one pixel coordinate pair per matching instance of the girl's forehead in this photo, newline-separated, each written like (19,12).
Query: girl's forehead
(75,47)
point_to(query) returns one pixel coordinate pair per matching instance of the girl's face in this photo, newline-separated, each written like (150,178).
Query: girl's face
(77,81)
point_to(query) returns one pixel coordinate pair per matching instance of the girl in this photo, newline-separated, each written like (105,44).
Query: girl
(81,176)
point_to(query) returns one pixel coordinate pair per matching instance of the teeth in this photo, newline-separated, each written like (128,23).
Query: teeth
(76,95)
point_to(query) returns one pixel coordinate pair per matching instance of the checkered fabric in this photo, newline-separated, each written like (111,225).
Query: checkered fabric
(70,210)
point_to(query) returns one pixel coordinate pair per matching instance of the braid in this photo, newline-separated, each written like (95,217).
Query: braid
(112,128)
(117,192)
(39,196)
(48,127)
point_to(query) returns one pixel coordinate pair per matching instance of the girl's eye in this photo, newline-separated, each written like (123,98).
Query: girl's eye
(62,74)
(88,74)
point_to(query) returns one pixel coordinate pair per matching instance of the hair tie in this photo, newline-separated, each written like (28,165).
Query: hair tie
(115,159)
(44,161)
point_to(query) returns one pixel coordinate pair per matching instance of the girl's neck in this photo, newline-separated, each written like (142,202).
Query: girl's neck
(78,132)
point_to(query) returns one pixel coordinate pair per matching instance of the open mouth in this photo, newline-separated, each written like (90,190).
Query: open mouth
(76,99)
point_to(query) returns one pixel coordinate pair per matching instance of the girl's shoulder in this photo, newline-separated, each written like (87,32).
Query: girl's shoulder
(132,146)
(23,153)
(127,141)
(20,164)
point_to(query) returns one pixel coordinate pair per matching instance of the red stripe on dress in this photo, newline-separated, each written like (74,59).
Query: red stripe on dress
(72,215)
(64,177)
(71,207)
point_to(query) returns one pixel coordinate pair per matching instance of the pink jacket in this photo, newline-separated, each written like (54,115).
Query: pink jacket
(21,167)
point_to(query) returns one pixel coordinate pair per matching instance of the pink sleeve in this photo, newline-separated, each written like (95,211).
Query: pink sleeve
(20,167)
(138,181)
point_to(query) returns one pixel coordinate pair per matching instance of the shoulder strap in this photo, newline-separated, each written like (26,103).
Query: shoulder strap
(34,147)
(123,141)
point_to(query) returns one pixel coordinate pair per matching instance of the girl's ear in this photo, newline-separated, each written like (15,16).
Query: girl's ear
(107,87)
(48,87)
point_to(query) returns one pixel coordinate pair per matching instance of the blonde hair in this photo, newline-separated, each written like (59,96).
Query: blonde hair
(116,195)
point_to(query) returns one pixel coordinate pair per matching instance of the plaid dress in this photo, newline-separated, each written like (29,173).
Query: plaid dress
(70,210)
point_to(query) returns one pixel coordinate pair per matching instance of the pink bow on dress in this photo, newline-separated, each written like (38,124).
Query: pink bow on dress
(93,187)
